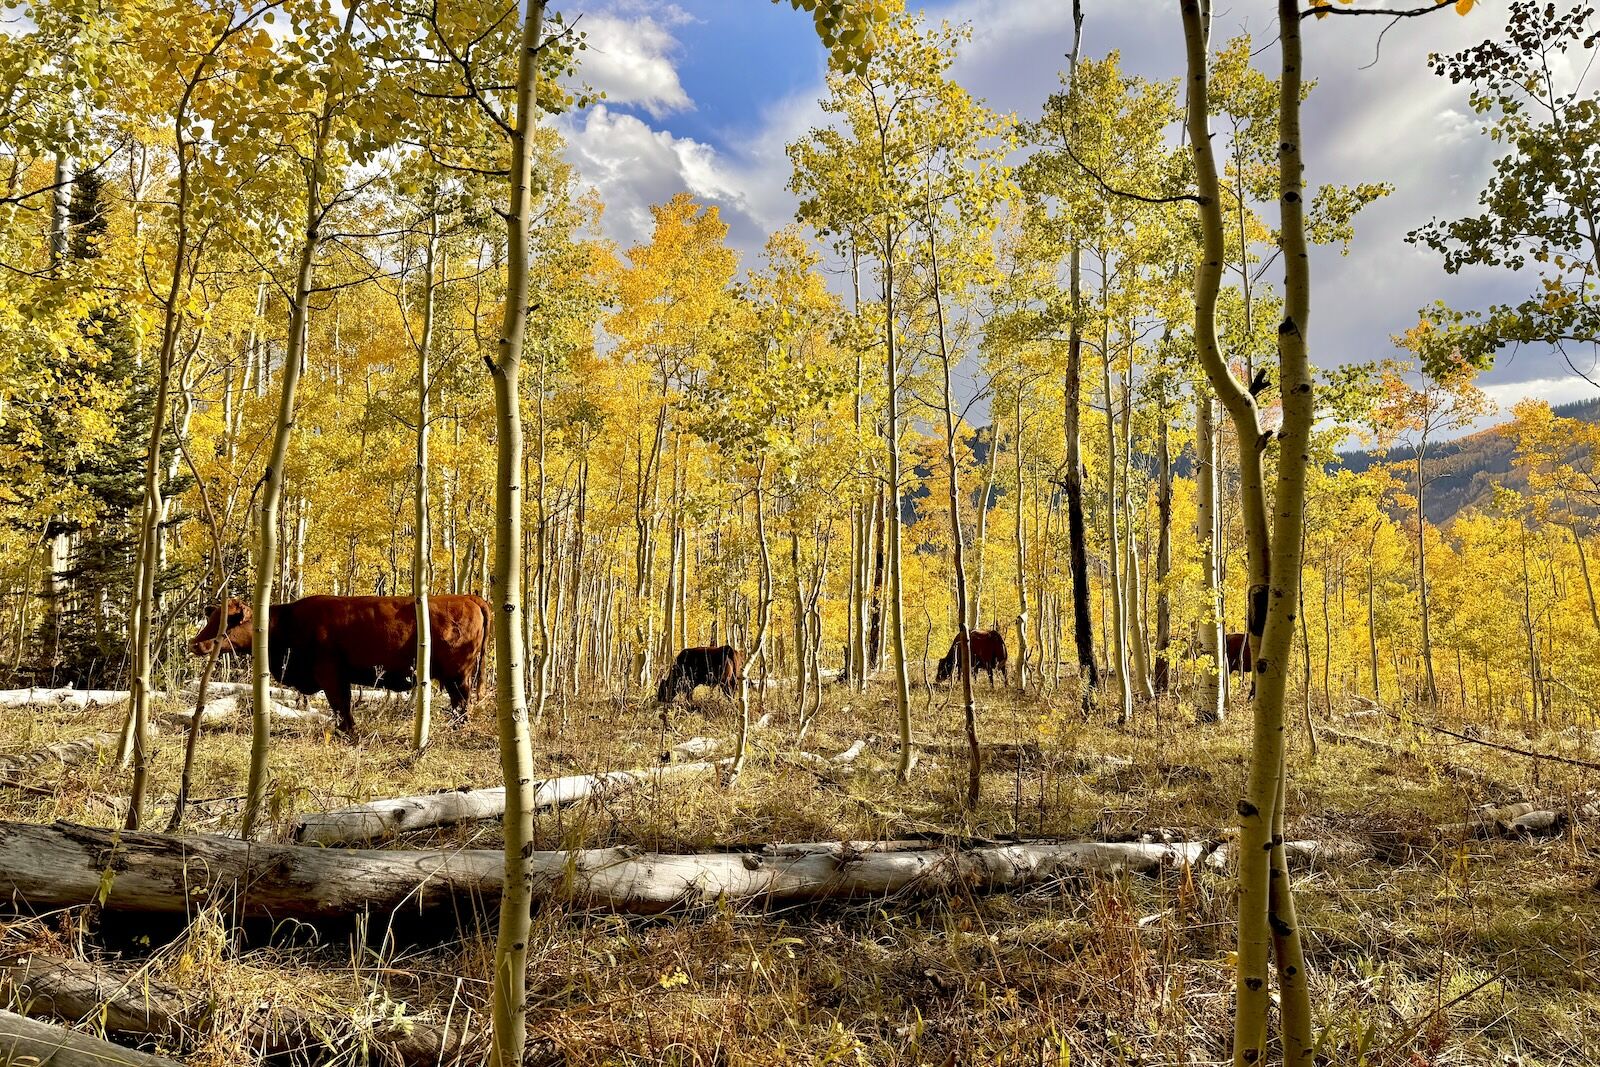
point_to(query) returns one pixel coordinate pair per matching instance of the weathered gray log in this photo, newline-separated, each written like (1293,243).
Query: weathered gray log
(1508,820)
(1300,855)
(61,865)
(27,1042)
(380,819)
(62,697)
(19,768)
(696,748)
(134,1005)
(235,709)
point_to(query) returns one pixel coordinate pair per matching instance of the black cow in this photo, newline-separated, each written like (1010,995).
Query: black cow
(718,666)
(988,652)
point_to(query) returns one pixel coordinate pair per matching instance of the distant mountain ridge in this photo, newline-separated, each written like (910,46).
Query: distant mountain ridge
(1466,469)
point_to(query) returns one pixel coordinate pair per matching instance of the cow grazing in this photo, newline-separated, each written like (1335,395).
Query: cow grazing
(988,652)
(718,666)
(329,643)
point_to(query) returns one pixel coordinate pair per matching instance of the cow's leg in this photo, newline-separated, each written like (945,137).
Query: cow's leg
(332,681)
(460,694)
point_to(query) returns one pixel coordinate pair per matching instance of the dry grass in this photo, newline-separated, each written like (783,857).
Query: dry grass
(1425,952)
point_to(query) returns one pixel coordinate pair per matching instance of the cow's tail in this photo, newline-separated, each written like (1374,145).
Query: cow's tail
(483,649)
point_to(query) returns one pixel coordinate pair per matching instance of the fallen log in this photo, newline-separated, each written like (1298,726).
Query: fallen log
(133,1005)
(25,1041)
(63,696)
(696,748)
(380,819)
(1300,855)
(65,865)
(1509,820)
(15,770)
(236,709)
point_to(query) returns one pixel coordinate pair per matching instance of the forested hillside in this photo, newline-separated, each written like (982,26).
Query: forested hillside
(1471,466)
(435,629)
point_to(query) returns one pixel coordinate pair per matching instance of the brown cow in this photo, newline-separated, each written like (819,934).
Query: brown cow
(1238,653)
(330,643)
(718,666)
(988,652)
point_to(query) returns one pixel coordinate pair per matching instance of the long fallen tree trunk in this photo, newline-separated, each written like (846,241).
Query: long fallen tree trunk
(28,1041)
(64,696)
(133,1005)
(234,709)
(19,768)
(380,819)
(65,865)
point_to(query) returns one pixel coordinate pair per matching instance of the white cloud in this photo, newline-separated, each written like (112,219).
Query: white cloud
(630,60)
(634,166)
(1561,390)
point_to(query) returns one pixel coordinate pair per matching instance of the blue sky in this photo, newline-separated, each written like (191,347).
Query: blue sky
(704,94)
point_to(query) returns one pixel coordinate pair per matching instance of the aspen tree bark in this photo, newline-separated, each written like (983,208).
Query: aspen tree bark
(1210,703)
(421,555)
(1422,573)
(509,1009)
(137,732)
(1078,548)
(1022,555)
(802,677)
(1583,564)
(61,210)
(1133,599)
(763,619)
(1114,585)
(897,628)
(975,616)
(542,547)
(272,478)
(1372,616)
(1268,775)
(1163,667)
(861,517)
(953,486)
(880,579)
(1266,914)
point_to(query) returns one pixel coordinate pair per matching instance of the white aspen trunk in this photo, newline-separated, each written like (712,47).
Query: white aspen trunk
(953,485)
(61,211)
(1583,564)
(1133,598)
(1114,562)
(1020,539)
(763,619)
(1268,778)
(272,477)
(508,1000)
(422,540)
(381,820)
(1210,705)
(1163,666)
(975,616)
(897,629)
(542,546)
(1422,575)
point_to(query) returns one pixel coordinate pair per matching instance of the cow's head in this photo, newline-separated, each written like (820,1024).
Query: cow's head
(664,690)
(233,622)
(946,666)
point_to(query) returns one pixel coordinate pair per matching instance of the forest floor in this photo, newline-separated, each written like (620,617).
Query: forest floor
(1426,948)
